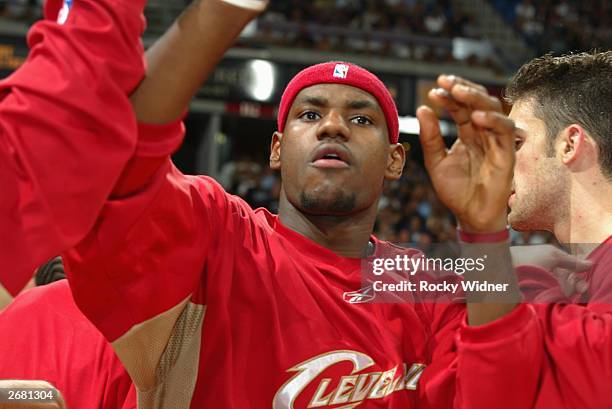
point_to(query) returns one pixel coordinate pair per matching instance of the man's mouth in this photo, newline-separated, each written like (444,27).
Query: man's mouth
(331,157)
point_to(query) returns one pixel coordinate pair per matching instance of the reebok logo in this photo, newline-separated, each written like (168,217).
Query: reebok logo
(360,296)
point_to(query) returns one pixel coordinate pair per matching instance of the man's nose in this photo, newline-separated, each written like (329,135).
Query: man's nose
(333,125)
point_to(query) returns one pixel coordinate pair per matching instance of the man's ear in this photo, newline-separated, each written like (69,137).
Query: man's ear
(395,162)
(574,144)
(275,150)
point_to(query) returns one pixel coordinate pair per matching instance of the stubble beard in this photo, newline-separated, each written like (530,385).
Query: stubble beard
(338,203)
(538,205)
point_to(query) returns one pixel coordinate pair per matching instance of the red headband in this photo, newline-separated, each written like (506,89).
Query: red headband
(341,73)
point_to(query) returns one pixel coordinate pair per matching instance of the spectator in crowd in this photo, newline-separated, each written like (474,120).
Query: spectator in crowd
(563,26)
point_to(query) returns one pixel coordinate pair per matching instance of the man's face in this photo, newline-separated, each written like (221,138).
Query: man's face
(540,180)
(334,152)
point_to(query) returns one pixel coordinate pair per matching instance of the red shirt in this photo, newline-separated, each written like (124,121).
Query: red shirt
(556,355)
(267,324)
(51,340)
(65,114)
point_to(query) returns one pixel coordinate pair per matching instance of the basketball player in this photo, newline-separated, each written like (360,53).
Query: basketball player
(47,338)
(211,304)
(555,355)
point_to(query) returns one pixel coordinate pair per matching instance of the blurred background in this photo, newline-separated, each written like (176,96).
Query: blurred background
(406,42)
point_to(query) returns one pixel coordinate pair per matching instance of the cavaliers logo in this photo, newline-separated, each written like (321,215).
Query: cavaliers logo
(352,389)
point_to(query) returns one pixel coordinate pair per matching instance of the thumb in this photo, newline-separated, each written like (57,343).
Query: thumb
(432,143)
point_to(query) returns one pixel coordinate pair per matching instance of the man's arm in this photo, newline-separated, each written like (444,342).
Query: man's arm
(136,271)
(180,61)
(538,356)
(473,179)
(519,356)
(66,129)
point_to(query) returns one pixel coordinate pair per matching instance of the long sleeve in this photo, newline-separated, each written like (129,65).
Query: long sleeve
(66,129)
(538,356)
(147,251)
(545,355)
(438,384)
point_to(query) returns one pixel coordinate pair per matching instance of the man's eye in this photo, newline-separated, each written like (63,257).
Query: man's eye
(310,116)
(518,142)
(361,120)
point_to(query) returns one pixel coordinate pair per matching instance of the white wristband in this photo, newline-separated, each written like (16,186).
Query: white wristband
(256,5)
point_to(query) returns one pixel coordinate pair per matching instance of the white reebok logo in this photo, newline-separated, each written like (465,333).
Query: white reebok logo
(341,70)
(360,296)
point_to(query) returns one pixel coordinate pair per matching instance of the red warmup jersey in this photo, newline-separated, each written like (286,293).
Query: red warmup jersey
(64,114)
(267,324)
(543,356)
(46,337)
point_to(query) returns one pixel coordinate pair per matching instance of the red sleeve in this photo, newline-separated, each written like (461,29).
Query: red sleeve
(540,356)
(66,129)
(497,362)
(147,251)
(437,384)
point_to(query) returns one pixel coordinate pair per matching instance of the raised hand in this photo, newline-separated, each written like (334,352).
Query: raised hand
(473,178)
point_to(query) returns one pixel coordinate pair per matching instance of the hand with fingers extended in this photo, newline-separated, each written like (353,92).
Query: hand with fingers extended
(563,266)
(473,178)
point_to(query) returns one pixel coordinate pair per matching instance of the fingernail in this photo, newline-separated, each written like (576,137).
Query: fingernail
(440,91)
(478,115)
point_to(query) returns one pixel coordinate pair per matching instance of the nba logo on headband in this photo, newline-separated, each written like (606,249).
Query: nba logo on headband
(64,12)
(341,70)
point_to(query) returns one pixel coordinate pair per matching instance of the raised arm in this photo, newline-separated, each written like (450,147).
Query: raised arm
(473,179)
(138,269)
(513,355)
(66,129)
(185,55)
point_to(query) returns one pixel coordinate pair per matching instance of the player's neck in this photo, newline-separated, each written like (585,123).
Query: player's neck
(590,218)
(347,236)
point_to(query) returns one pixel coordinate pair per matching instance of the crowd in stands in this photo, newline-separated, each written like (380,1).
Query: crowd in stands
(562,26)
(26,10)
(409,211)
(387,27)
(398,27)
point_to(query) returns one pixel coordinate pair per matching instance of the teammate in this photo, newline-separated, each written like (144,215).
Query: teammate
(563,184)
(211,304)
(48,338)
(64,110)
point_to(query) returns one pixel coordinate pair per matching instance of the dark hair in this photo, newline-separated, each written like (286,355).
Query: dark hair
(571,89)
(51,271)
